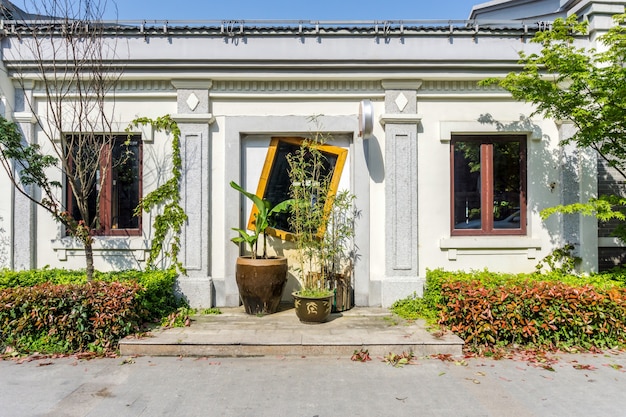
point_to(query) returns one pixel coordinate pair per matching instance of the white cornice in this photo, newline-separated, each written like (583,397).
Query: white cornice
(296,86)
(299,88)
(24,117)
(193,84)
(401,84)
(399,119)
(194,118)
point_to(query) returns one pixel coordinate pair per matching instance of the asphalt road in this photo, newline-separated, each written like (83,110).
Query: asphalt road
(577,385)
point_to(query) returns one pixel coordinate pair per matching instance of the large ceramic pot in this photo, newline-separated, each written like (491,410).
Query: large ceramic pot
(261,283)
(312,309)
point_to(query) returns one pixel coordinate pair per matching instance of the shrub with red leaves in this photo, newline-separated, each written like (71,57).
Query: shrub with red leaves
(543,314)
(91,316)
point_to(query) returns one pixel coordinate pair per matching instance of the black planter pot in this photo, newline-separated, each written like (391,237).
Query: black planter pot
(261,283)
(312,309)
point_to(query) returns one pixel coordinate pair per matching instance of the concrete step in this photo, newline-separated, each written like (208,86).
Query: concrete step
(234,333)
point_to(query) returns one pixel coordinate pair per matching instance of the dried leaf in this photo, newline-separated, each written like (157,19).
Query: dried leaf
(586,367)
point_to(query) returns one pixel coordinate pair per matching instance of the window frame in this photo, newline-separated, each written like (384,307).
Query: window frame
(105,205)
(487,195)
(266,172)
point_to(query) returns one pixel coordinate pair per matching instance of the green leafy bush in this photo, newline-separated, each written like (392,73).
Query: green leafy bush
(156,296)
(543,314)
(414,307)
(541,310)
(70,317)
(10,279)
(55,310)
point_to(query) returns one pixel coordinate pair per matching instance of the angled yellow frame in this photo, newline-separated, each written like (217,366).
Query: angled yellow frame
(269,164)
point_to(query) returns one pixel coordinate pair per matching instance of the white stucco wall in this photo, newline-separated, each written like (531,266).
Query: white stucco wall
(52,247)
(512,253)
(251,88)
(440,112)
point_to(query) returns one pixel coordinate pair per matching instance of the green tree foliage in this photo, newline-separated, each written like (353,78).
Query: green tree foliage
(76,67)
(585,86)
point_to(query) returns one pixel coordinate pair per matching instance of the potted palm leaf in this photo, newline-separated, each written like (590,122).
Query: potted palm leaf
(260,279)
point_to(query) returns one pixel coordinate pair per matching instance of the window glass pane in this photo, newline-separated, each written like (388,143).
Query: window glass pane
(278,185)
(467,186)
(125,184)
(506,185)
(276,188)
(91,204)
(85,173)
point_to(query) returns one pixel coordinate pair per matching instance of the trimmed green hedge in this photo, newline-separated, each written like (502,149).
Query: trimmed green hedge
(538,310)
(157,295)
(54,310)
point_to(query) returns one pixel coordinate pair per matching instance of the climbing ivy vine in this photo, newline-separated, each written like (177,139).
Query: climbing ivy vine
(170,220)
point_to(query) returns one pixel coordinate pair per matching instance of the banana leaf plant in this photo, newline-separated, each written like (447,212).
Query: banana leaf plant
(262,220)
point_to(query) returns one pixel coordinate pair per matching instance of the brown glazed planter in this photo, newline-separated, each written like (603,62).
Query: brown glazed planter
(261,283)
(312,309)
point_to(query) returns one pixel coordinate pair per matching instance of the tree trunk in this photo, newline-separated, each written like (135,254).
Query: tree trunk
(89,260)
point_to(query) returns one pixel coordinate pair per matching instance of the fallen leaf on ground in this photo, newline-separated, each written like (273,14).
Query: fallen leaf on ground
(444,357)
(587,367)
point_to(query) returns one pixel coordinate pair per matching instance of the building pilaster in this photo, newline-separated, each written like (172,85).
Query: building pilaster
(400,121)
(23,227)
(194,119)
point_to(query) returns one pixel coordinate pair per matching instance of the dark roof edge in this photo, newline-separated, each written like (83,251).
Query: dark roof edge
(308,27)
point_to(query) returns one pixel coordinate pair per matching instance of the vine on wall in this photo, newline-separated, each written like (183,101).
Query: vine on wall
(170,220)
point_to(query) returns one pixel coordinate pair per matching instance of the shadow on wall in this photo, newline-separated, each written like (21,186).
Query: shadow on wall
(374,159)
(4,247)
(547,173)
(119,255)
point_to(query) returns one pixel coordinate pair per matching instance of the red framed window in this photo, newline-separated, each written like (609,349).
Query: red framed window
(121,192)
(488,185)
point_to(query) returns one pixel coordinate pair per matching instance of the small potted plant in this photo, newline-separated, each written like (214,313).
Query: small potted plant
(311,204)
(260,279)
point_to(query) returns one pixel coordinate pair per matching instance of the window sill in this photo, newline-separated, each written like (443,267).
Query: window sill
(491,245)
(610,242)
(102,246)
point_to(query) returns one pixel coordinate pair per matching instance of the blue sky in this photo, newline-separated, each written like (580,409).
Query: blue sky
(292,9)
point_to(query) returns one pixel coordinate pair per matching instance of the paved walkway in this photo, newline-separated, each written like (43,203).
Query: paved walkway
(234,333)
(577,386)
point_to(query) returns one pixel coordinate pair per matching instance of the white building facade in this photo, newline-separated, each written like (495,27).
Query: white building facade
(233,86)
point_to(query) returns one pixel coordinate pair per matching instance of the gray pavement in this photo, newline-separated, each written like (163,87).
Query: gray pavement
(579,385)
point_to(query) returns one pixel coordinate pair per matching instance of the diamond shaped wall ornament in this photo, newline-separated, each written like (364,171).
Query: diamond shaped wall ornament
(192,101)
(401,101)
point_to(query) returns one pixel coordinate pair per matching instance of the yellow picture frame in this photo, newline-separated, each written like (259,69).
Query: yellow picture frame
(271,163)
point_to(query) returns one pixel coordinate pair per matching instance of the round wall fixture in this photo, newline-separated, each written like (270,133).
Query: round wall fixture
(366,118)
